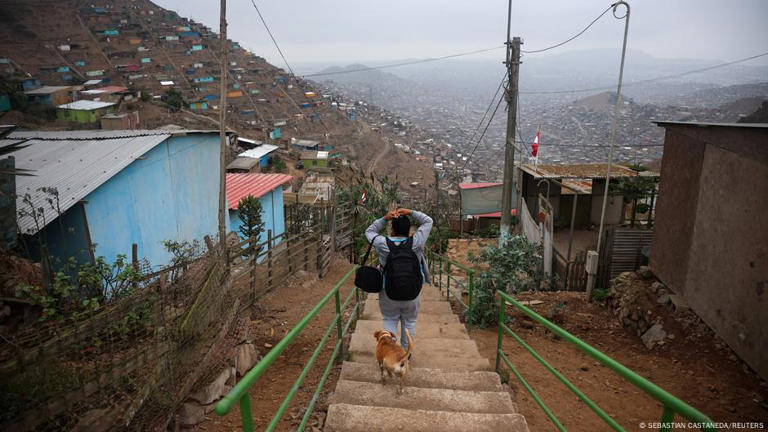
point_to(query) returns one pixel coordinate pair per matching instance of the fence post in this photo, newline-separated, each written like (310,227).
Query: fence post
(269,260)
(320,252)
(305,245)
(502,311)
(333,226)
(252,242)
(288,238)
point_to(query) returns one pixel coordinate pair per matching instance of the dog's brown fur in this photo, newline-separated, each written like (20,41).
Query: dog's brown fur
(391,356)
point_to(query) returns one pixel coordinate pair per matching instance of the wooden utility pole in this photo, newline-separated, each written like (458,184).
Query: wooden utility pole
(223,132)
(510,176)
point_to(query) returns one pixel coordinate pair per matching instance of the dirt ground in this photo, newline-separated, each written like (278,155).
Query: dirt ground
(709,379)
(277,313)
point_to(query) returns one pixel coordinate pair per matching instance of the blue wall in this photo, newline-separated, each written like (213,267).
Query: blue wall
(171,194)
(273,215)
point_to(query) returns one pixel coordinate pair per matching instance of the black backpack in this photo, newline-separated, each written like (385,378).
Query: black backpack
(368,278)
(402,272)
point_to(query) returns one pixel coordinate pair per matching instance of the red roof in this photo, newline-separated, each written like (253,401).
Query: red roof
(240,185)
(493,215)
(477,185)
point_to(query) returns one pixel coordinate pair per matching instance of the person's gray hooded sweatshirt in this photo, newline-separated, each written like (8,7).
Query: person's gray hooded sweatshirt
(419,240)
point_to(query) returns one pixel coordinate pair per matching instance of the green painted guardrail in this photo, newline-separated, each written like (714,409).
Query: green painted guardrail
(239,393)
(671,404)
(440,266)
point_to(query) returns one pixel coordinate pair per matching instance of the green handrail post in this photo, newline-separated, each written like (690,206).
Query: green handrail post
(245,412)
(667,415)
(502,311)
(471,308)
(448,273)
(338,319)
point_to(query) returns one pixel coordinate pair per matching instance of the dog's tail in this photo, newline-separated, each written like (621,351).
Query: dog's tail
(410,345)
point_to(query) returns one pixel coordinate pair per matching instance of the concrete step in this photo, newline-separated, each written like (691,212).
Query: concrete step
(427,378)
(355,418)
(427,306)
(387,395)
(374,313)
(423,329)
(435,353)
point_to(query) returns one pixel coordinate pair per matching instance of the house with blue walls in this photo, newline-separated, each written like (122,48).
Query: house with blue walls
(115,189)
(260,156)
(268,188)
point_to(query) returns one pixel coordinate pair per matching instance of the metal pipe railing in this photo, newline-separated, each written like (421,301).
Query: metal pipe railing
(671,404)
(239,393)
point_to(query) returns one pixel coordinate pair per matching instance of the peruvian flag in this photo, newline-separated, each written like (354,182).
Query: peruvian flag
(363,197)
(535,145)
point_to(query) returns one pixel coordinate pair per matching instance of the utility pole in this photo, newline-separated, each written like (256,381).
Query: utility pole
(223,133)
(510,94)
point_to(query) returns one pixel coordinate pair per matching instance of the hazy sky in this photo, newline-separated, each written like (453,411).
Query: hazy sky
(347,31)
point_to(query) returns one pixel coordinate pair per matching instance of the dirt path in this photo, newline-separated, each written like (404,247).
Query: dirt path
(709,379)
(277,313)
(384,149)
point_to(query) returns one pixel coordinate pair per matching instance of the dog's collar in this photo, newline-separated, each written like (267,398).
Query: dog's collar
(392,335)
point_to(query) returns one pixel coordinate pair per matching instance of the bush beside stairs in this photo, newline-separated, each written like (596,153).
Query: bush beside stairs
(450,386)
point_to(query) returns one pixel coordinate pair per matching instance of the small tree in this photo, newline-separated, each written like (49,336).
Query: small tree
(278,163)
(249,211)
(174,99)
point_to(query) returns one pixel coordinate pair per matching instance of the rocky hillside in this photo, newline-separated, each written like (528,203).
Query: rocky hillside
(156,53)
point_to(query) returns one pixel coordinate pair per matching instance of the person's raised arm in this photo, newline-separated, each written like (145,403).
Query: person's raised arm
(377,225)
(425,226)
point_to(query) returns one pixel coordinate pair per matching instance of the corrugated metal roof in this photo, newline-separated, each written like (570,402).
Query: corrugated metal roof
(46,90)
(259,151)
(93,134)
(241,185)
(85,105)
(579,171)
(242,163)
(75,167)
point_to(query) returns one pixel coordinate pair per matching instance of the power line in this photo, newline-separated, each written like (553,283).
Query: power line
(650,80)
(271,37)
(571,38)
(393,65)
(487,110)
(479,140)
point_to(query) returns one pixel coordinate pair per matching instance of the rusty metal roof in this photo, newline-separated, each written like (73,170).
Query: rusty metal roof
(580,171)
(240,185)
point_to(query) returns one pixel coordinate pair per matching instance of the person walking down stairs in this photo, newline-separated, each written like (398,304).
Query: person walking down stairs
(401,258)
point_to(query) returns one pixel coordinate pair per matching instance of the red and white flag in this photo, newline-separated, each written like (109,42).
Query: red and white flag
(363,197)
(535,145)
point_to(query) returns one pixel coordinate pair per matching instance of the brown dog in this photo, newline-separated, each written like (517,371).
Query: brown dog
(391,356)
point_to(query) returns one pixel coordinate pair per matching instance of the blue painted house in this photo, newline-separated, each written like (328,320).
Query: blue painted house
(117,188)
(268,188)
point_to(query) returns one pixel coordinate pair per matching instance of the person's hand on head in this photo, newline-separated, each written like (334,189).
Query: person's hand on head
(391,215)
(404,212)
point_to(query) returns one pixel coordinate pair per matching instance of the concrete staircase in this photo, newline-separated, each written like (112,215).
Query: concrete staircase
(449,388)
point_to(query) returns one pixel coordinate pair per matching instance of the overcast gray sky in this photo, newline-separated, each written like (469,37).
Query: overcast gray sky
(347,31)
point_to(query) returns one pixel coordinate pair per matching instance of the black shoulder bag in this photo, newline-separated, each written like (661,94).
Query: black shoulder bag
(367,278)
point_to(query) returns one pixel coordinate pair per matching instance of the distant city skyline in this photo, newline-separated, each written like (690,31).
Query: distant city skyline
(344,31)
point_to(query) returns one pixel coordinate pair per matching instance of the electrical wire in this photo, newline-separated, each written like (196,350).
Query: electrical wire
(572,37)
(412,62)
(272,37)
(479,140)
(487,110)
(651,80)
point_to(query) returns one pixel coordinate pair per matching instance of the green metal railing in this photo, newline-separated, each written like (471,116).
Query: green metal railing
(441,266)
(671,404)
(239,394)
